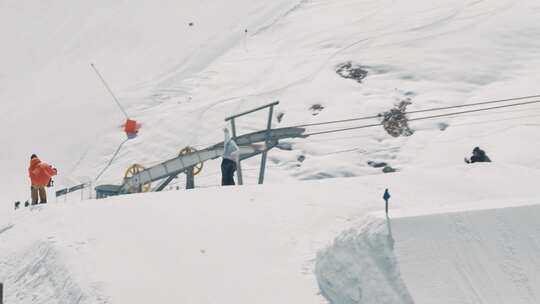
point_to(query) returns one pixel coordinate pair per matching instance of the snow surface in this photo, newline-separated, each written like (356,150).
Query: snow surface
(260,243)
(292,239)
(180,81)
(481,256)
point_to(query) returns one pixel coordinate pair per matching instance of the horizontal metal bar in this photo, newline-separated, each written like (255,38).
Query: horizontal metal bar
(251,111)
(61,192)
(261,136)
(72,189)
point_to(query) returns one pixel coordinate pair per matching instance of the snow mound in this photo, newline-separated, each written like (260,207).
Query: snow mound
(480,256)
(360,267)
(246,244)
(39,275)
(483,256)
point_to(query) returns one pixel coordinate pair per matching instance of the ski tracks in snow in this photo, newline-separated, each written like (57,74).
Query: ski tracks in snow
(6,228)
(440,22)
(510,265)
(481,256)
(38,276)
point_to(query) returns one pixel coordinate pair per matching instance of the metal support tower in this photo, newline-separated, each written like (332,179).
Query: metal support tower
(267,139)
(239,165)
(267,143)
(168,170)
(190,178)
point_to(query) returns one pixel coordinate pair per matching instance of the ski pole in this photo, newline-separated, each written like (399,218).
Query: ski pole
(109,89)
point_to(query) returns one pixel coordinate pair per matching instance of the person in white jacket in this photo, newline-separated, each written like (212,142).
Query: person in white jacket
(231,156)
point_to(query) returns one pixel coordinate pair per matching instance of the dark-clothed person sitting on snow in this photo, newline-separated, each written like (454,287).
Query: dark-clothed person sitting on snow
(479,156)
(231,155)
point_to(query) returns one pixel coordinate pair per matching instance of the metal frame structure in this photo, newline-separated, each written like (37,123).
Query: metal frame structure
(267,139)
(170,169)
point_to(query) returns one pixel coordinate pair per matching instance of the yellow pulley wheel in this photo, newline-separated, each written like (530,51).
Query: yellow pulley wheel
(134,169)
(188,150)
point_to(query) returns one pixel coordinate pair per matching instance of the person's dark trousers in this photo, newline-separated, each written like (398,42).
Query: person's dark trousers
(227,172)
(38,192)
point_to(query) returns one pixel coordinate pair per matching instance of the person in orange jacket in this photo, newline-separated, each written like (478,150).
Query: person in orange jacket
(40,175)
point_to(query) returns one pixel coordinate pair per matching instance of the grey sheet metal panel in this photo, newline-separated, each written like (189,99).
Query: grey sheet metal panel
(171,167)
(246,152)
(178,164)
(261,136)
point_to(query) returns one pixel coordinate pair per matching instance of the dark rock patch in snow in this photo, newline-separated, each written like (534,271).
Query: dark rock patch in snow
(326,175)
(348,70)
(274,160)
(443,126)
(284,146)
(388,169)
(375,164)
(279,116)
(316,109)
(407,77)
(317,176)
(395,121)
(409,94)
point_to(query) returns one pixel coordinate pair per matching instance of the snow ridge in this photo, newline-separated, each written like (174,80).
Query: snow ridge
(360,267)
(39,276)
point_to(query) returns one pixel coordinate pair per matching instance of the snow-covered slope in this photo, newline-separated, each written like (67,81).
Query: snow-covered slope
(259,244)
(180,81)
(481,256)
(55,106)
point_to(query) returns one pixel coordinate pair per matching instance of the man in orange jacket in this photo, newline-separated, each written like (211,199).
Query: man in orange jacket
(40,175)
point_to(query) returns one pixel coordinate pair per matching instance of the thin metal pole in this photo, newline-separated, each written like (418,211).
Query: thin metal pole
(239,167)
(252,110)
(190,178)
(264,154)
(245,39)
(109,89)
(1,293)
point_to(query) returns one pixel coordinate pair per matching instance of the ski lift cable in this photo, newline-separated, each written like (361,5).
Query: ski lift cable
(417,111)
(474,104)
(478,110)
(392,148)
(359,149)
(423,118)
(362,136)
(327,139)
(411,112)
(109,89)
(110,160)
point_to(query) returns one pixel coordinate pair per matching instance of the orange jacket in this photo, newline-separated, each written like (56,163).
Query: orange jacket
(40,173)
